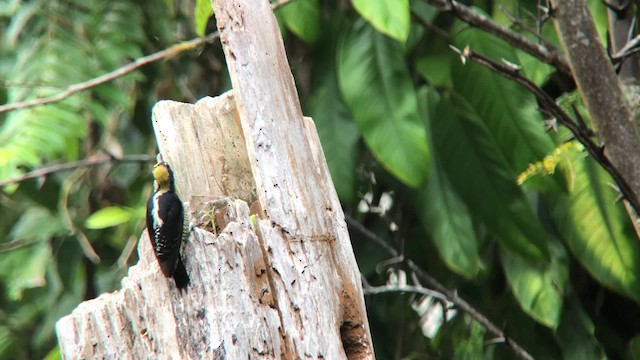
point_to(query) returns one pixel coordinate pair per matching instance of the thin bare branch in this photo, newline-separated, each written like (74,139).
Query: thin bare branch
(6,247)
(119,72)
(451,295)
(375,290)
(47,170)
(76,88)
(516,20)
(63,206)
(278,4)
(548,55)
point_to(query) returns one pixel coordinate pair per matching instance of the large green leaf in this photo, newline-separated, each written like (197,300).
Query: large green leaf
(597,230)
(339,136)
(24,268)
(203,10)
(443,213)
(302,17)
(467,152)
(508,110)
(576,334)
(377,88)
(390,17)
(448,221)
(539,288)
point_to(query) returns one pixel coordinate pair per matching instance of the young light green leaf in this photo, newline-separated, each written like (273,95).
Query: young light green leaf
(377,88)
(596,228)
(390,17)
(508,110)
(302,17)
(467,152)
(108,217)
(539,288)
(202,13)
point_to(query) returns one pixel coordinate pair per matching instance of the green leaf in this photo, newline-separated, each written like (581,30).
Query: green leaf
(597,230)
(302,17)
(576,334)
(478,172)
(390,17)
(202,13)
(539,288)
(508,110)
(444,215)
(377,88)
(448,220)
(37,223)
(24,268)
(339,136)
(436,69)
(108,217)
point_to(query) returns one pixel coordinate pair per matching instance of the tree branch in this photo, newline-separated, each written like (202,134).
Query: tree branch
(601,91)
(546,54)
(47,170)
(451,295)
(76,88)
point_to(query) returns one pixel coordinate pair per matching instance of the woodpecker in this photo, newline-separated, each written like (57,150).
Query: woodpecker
(165,220)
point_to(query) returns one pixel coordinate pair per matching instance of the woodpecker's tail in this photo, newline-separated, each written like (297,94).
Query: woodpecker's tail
(180,276)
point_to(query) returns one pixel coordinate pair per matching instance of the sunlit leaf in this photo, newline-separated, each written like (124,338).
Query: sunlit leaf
(377,88)
(108,217)
(302,17)
(390,17)
(597,230)
(202,13)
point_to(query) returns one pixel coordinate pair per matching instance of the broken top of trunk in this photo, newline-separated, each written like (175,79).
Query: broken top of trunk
(281,284)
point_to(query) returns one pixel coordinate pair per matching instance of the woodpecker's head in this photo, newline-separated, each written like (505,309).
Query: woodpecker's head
(164,177)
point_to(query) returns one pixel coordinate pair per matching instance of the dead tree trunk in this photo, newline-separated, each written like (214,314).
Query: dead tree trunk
(279,280)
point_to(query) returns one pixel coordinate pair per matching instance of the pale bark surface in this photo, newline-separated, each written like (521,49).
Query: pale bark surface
(281,284)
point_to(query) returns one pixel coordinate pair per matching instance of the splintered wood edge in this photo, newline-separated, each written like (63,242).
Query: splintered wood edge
(285,173)
(205,148)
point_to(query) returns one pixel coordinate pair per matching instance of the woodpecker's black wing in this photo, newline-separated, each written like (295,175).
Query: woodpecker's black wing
(150,230)
(166,233)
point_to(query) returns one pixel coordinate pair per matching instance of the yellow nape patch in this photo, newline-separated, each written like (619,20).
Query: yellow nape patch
(161,174)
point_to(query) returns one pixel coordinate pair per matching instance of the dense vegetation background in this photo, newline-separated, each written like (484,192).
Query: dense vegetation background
(454,167)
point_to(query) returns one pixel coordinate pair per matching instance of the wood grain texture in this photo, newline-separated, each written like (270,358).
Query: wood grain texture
(284,285)
(268,104)
(203,144)
(223,313)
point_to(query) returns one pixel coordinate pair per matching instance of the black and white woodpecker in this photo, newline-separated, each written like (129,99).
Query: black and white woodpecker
(165,219)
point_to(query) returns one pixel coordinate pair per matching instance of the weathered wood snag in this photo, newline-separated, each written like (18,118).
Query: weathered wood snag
(279,280)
